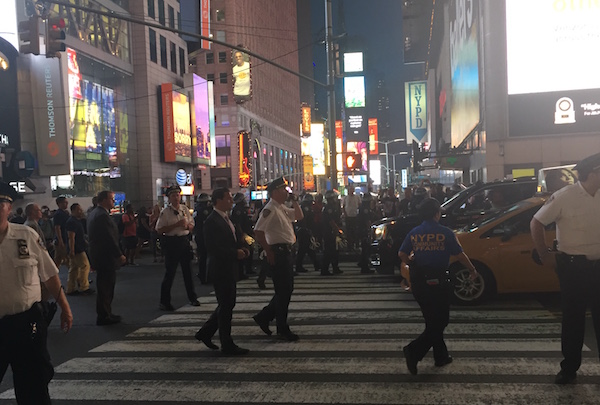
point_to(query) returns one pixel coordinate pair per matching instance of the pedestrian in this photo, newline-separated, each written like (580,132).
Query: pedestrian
(390,203)
(175,224)
(23,326)
(275,233)
(142,229)
(332,229)
(574,209)
(305,236)
(47,228)
(317,230)
(79,265)
(202,210)
(60,233)
(350,205)
(34,214)
(241,220)
(224,246)
(130,239)
(426,250)
(105,256)
(18,218)
(366,216)
(404,205)
(94,205)
(154,236)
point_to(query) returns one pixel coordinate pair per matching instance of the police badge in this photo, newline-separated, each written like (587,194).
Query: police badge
(23,249)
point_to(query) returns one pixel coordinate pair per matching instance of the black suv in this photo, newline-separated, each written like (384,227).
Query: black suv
(462,209)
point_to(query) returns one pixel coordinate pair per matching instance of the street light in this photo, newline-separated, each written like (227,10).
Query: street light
(393,155)
(387,160)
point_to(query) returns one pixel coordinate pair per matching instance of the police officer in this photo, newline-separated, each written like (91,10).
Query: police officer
(202,210)
(427,250)
(574,209)
(241,220)
(332,225)
(304,234)
(23,327)
(275,233)
(176,223)
(366,216)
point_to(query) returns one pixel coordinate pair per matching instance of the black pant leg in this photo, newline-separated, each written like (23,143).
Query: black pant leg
(226,294)
(171,262)
(105,282)
(283,283)
(186,270)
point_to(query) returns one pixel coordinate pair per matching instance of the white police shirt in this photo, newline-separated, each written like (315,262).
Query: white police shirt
(170,216)
(577,217)
(25,262)
(275,221)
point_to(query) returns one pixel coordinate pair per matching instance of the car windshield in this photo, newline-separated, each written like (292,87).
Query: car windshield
(455,197)
(495,215)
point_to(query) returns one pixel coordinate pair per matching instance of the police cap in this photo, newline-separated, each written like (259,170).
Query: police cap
(589,164)
(277,183)
(238,198)
(8,193)
(203,197)
(173,189)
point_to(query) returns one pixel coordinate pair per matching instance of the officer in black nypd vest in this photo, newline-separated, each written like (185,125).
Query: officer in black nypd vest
(202,210)
(427,250)
(332,225)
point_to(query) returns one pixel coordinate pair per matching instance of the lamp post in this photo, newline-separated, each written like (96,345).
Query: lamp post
(387,160)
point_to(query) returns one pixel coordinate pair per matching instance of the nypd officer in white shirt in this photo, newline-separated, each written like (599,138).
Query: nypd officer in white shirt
(23,328)
(275,233)
(576,211)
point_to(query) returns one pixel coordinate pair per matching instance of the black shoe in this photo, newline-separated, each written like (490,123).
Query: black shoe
(261,285)
(326,273)
(288,335)
(206,340)
(109,320)
(195,303)
(301,270)
(565,378)
(411,362)
(337,271)
(264,326)
(443,362)
(89,291)
(73,293)
(234,351)
(166,307)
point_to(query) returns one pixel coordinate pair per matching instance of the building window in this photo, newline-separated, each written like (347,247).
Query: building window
(210,58)
(223,78)
(151,9)
(163,51)
(222,141)
(152,40)
(224,99)
(179,21)
(222,57)
(221,36)
(173,58)
(224,120)
(223,161)
(171,17)
(220,15)
(210,77)
(181,61)
(161,11)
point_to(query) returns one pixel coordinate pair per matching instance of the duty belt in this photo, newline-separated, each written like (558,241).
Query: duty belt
(578,259)
(282,246)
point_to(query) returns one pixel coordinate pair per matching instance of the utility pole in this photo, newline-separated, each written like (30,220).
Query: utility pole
(331,92)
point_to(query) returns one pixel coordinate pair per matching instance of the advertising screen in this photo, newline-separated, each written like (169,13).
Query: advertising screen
(360,148)
(373,137)
(176,125)
(202,139)
(464,67)
(314,146)
(356,125)
(242,76)
(353,62)
(205,23)
(354,91)
(552,83)
(245,163)
(375,171)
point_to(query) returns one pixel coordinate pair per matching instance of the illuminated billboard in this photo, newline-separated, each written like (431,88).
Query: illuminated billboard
(201,142)
(354,91)
(417,119)
(241,76)
(356,125)
(177,137)
(361,149)
(353,62)
(373,137)
(309,178)
(551,65)
(464,68)
(245,163)
(375,171)
(306,112)
(205,23)
(314,146)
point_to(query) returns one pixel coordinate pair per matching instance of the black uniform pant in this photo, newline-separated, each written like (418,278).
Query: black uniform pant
(330,253)
(220,319)
(304,249)
(351,231)
(177,251)
(23,346)
(434,301)
(365,249)
(579,289)
(282,273)
(105,280)
(202,258)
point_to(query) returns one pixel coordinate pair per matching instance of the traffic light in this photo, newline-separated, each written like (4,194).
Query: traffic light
(353,161)
(55,37)
(29,36)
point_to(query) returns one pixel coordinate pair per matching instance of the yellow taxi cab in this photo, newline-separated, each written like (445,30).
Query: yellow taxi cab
(501,248)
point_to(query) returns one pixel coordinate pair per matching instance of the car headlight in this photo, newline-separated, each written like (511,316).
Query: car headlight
(379,232)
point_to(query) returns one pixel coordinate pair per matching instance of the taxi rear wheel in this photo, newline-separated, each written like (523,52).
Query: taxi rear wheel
(471,292)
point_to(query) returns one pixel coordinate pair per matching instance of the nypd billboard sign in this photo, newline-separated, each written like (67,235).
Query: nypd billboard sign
(417,127)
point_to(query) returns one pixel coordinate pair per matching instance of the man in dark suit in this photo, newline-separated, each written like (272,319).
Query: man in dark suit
(224,250)
(105,255)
